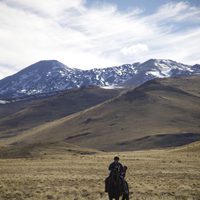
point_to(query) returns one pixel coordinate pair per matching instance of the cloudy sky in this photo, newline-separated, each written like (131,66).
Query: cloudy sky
(97,33)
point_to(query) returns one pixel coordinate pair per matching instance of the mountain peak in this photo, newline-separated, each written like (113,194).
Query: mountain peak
(153,60)
(49,62)
(51,76)
(47,65)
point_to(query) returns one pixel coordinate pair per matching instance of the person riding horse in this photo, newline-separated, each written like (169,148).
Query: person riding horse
(116,165)
(115,183)
(113,167)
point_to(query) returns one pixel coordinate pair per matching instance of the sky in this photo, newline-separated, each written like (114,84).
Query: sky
(97,33)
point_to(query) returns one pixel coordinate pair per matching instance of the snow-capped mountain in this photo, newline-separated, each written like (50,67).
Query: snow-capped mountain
(160,68)
(44,76)
(50,75)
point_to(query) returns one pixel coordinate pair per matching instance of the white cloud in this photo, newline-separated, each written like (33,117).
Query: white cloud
(98,36)
(135,49)
(176,12)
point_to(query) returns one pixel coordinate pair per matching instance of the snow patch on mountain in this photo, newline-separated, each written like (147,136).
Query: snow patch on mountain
(50,76)
(111,87)
(155,73)
(4,102)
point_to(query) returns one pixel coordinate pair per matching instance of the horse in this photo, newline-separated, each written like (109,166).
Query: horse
(126,192)
(115,186)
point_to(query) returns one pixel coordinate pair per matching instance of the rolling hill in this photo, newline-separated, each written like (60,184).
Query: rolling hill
(160,113)
(23,115)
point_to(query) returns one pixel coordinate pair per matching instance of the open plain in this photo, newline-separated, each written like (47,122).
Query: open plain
(73,174)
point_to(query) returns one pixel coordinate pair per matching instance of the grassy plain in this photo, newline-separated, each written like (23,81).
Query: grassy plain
(172,174)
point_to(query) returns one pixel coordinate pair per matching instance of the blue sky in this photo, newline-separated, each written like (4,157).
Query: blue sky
(149,6)
(88,33)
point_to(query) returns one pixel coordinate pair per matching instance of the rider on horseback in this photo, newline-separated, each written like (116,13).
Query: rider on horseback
(116,165)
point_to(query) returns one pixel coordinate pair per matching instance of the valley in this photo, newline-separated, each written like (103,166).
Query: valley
(86,84)
(59,146)
(160,113)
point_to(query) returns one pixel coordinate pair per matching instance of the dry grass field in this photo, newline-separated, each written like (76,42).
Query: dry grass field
(153,175)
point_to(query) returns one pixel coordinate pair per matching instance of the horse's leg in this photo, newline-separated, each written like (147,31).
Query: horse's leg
(125,197)
(110,197)
(116,197)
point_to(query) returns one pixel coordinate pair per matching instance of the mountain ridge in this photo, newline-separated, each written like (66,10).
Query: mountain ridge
(51,76)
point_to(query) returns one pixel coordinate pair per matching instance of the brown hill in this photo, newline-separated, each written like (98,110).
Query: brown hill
(20,116)
(160,113)
(194,147)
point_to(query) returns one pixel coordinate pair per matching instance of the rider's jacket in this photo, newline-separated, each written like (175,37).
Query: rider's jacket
(117,166)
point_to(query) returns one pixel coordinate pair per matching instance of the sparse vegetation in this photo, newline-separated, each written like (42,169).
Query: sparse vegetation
(43,163)
(152,175)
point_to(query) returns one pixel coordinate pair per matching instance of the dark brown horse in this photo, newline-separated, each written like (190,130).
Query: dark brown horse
(126,191)
(115,186)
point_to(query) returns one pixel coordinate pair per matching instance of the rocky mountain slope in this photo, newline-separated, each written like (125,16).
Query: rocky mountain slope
(51,76)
